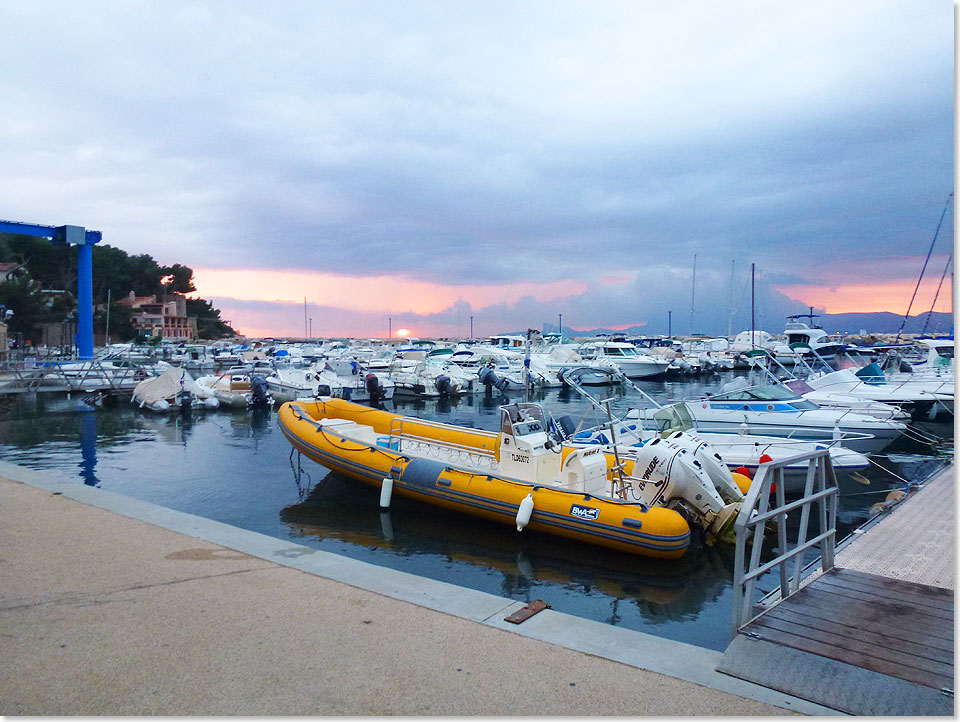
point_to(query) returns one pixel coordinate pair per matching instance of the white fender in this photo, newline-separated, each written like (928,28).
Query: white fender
(386,492)
(524,512)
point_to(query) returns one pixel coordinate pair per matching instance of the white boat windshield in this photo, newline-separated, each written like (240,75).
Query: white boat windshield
(673,418)
(766,394)
(522,419)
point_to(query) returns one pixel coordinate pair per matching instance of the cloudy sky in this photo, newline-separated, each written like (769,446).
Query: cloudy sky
(429,162)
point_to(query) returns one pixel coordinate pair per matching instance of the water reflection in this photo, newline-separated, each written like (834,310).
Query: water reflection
(88,448)
(527,565)
(234,466)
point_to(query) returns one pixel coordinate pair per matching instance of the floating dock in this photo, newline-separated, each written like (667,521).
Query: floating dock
(875,635)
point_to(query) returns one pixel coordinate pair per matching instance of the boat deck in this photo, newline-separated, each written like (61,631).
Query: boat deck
(874,635)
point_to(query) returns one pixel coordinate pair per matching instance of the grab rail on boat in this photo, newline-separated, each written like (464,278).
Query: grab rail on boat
(821,489)
(397,432)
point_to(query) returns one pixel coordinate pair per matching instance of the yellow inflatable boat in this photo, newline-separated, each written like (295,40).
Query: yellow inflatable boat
(522,476)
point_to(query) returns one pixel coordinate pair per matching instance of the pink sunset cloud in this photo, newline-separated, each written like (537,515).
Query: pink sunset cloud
(892,296)
(383,294)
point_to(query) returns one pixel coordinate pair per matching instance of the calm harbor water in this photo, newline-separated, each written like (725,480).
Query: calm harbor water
(236,467)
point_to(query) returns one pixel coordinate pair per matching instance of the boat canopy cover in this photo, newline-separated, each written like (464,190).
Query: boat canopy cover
(872,374)
(799,386)
(737,384)
(167,385)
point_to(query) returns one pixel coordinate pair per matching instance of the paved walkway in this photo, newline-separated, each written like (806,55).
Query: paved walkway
(111,606)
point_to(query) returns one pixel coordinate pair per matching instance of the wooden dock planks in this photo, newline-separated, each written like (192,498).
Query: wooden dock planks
(896,628)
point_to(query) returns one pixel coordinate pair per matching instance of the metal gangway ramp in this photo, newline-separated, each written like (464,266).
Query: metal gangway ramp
(857,642)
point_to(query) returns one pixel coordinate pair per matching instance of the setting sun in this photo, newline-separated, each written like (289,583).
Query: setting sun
(402,332)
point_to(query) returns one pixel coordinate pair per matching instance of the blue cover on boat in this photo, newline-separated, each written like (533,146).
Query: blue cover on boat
(872,374)
(422,472)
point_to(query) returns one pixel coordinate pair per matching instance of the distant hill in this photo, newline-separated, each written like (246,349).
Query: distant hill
(843,323)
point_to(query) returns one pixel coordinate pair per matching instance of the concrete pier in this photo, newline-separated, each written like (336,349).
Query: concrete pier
(112,606)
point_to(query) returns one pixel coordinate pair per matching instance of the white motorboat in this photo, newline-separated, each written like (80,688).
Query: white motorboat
(418,378)
(800,332)
(739,452)
(775,410)
(925,397)
(506,365)
(289,384)
(563,359)
(231,388)
(625,356)
(838,399)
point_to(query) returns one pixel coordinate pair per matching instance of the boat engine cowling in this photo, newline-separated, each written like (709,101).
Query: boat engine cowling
(488,377)
(373,386)
(711,462)
(665,472)
(259,395)
(444,385)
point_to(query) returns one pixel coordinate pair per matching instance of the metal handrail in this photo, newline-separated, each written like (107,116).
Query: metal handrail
(397,432)
(821,489)
(50,376)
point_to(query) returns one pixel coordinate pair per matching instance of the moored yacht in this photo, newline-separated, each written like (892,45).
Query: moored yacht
(774,410)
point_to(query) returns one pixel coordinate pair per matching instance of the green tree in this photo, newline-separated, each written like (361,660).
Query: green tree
(209,323)
(51,266)
(31,306)
(121,325)
(178,279)
(115,275)
(22,297)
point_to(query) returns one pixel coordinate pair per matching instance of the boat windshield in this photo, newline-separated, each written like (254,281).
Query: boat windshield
(673,418)
(759,393)
(522,419)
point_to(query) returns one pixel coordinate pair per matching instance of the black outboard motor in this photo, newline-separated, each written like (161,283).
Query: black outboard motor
(259,395)
(565,427)
(323,390)
(443,384)
(186,401)
(373,386)
(488,377)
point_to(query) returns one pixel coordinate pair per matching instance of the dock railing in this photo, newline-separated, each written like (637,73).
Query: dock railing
(66,376)
(821,489)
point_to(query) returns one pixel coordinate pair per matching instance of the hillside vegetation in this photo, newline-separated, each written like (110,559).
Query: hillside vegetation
(45,291)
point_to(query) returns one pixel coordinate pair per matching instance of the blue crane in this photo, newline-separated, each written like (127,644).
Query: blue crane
(84,240)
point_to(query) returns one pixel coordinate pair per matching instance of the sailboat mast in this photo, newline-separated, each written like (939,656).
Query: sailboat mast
(730,310)
(693,293)
(753,335)
(923,270)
